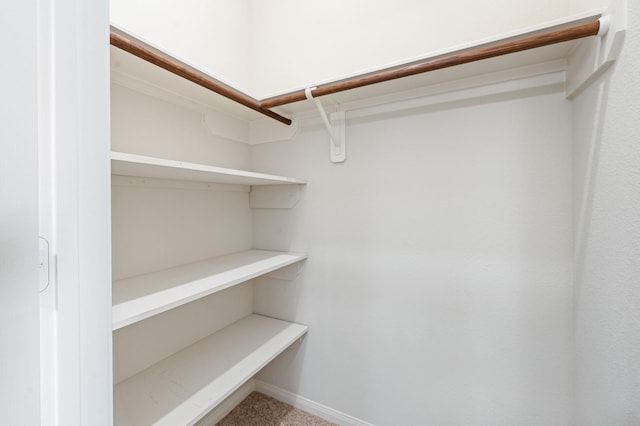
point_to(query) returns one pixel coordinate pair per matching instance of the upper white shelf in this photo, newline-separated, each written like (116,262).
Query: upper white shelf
(184,387)
(133,72)
(141,297)
(141,166)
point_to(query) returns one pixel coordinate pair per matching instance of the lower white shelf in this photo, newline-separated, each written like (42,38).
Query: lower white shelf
(184,387)
(141,297)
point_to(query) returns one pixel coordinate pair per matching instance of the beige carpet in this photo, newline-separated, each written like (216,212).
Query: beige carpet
(260,410)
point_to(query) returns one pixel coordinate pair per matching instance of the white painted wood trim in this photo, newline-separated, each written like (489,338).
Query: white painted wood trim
(226,126)
(146,182)
(183,388)
(143,296)
(593,56)
(75,126)
(521,78)
(466,88)
(308,405)
(261,130)
(554,79)
(142,166)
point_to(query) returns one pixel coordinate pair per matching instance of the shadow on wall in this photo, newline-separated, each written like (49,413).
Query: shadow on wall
(590,145)
(404,109)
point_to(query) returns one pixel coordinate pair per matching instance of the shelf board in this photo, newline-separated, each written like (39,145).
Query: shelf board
(184,387)
(134,72)
(141,166)
(143,296)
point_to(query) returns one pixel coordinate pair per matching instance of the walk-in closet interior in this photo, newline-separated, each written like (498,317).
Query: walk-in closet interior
(424,277)
(397,213)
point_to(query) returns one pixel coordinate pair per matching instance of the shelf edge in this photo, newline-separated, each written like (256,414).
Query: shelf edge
(279,335)
(146,161)
(120,319)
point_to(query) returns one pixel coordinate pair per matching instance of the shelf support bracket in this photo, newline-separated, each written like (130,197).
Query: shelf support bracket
(335,125)
(595,55)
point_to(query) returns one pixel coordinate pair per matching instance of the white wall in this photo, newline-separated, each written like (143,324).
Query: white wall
(578,6)
(156,225)
(145,125)
(466,317)
(266,47)
(438,284)
(19,304)
(295,43)
(212,35)
(159,224)
(608,271)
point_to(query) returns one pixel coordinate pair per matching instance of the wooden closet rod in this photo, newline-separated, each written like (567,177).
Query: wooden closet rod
(184,71)
(453,59)
(450,60)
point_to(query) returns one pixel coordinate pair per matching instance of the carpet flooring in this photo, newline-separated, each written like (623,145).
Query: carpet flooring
(260,410)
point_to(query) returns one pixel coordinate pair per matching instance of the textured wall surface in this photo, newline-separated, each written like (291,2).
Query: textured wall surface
(265,47)
(437,289)
(608,272)
(212,35)
(144,125)
(294,45)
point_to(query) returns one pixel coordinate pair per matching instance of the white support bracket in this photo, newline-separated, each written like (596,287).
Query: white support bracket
(594,55)
(335,125)
(288,273)
(274,196)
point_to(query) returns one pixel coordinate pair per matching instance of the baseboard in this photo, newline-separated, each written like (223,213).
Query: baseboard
(309,406)
(231,402)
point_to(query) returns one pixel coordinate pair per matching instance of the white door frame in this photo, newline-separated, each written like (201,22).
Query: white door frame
(74,149)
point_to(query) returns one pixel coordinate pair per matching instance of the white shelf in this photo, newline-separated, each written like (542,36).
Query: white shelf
(143,296)
(134,72)
(141,166)
(184,387)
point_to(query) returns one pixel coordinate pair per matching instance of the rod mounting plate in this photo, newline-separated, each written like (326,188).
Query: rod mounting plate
(338,144)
